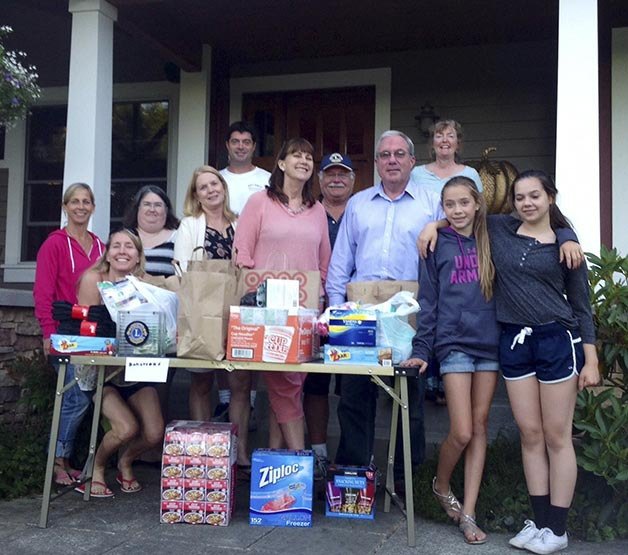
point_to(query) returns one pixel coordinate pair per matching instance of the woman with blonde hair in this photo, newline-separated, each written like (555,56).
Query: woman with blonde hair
(132,409)
(209,223)
(61,260)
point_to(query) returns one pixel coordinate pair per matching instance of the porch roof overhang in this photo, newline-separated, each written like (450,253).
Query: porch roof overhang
(257,30)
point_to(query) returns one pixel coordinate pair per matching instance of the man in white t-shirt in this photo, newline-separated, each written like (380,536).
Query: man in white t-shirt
(242,177)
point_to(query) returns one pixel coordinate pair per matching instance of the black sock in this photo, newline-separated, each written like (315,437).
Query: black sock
(540,507)
(557,519)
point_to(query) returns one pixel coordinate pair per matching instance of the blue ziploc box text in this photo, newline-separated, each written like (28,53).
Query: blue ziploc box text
(281,488)
(353,327)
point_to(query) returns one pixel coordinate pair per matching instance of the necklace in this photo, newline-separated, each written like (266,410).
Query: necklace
(296,211)
(85,241)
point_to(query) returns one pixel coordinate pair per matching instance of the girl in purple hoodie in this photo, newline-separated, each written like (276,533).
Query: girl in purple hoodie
(61,260)
(457,323)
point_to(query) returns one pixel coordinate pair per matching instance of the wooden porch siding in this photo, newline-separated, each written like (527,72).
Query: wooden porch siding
(4,188)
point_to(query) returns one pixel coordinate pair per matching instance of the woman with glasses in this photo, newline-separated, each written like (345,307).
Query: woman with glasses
(151,216)
(445,147)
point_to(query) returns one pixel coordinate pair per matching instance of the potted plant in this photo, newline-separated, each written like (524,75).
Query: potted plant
(18,83)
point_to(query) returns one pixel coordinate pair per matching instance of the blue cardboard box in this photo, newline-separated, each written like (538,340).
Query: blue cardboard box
(353,328)
(281,488)
(336,354)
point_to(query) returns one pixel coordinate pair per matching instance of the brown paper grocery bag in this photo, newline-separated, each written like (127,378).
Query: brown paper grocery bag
(309,283)
(375,292)
(204,299)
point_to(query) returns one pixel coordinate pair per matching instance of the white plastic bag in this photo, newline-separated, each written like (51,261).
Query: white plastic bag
(164,300)
(393,329)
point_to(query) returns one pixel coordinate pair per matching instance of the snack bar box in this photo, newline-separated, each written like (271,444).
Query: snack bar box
(272,335)
(281,488)
(336,354)
(353,328)
(82,345)
(350,492)
(198,472)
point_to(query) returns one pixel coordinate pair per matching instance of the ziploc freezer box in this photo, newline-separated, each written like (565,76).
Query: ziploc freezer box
(198,472)
(82,345)
(337,354)
(350,492)
(281,488)
(272,335)
(354,328)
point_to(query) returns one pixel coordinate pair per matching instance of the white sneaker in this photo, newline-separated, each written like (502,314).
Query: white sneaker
(527,533)
(547,542)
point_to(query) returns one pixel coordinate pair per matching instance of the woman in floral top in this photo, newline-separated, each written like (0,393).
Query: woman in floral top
(208,223)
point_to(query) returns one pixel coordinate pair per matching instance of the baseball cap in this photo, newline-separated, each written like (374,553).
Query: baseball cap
(336,159)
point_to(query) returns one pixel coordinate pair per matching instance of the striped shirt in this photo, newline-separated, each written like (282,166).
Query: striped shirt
(159,258)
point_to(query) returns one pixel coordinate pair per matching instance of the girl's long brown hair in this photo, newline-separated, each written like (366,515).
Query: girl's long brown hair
(480,232)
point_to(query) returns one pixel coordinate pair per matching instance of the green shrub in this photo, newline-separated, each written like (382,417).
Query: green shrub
(503,502)
(23,443)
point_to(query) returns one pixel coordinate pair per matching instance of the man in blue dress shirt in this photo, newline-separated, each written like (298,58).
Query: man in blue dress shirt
(377,240)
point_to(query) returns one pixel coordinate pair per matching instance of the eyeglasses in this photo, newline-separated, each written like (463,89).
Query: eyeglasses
(154,205)
(398,154)
(339,175)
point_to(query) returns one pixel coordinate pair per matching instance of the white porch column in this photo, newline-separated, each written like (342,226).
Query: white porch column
(88,142)
(193,125)
(577,123)
(620,138)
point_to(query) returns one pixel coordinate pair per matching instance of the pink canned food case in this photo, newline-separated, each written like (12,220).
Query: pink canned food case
(281,488)
(198,472)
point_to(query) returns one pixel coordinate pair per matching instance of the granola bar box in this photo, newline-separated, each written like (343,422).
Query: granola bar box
(350,492)
(198,472)
(281,488)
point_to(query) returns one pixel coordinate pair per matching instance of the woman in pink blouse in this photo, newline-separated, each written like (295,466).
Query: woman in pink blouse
(281,228)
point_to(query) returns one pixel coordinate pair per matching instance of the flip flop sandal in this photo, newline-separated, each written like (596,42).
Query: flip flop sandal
(75,474)
(448,502)
(106,492)
(128,486)
(62,477)
(468,527)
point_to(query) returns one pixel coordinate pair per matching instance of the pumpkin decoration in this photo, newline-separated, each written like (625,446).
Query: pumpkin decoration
(497,177)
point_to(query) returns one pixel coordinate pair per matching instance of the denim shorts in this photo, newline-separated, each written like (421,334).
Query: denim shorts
(551,352)
(459,362)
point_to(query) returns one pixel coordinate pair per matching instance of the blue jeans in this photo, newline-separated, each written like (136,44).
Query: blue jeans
(356,415)
(73,408)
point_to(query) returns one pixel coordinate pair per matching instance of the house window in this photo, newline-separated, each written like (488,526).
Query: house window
(139,156)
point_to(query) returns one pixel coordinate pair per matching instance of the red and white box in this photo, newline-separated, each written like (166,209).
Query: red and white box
(264,335)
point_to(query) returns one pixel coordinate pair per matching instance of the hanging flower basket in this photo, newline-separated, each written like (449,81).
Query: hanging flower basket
(18,84)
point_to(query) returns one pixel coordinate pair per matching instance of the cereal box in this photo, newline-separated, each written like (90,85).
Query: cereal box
(198,473)
(281,488)
(272,335)
(350,492)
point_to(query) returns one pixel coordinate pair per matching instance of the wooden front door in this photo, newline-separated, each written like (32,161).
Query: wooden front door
(333,120)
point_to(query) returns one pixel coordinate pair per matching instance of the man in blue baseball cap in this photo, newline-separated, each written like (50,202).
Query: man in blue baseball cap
(336,178)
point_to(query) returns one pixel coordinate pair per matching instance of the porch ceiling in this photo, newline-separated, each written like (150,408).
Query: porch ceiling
(248,31)
(252,31)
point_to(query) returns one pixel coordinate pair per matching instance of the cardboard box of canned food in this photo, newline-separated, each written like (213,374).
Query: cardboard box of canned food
(198,472)
(350,491)
(281,488)
(272,335)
